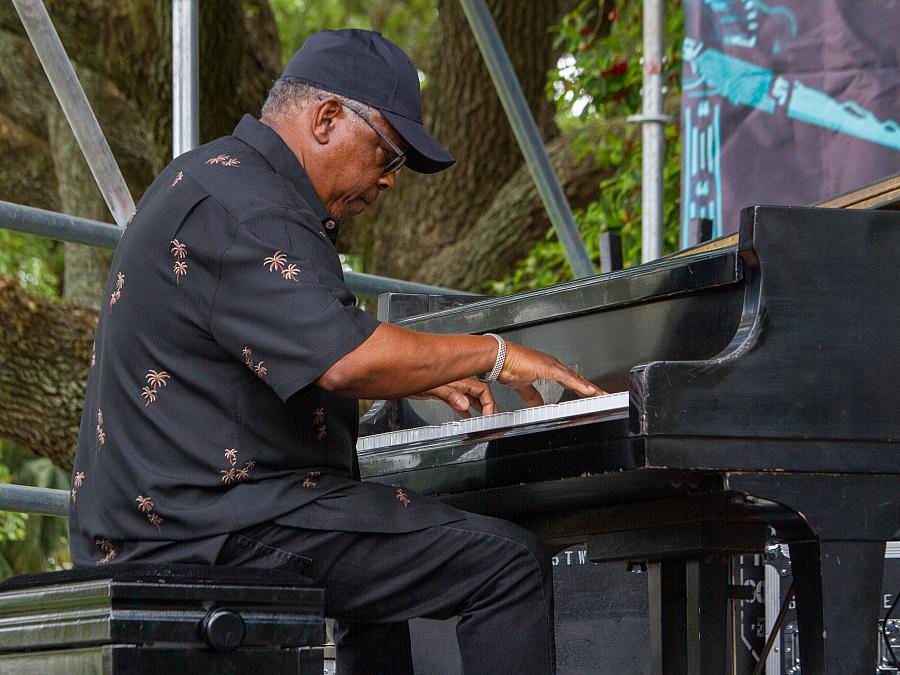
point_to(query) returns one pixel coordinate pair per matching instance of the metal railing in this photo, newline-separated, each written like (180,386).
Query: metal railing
(40,501)
(103,235)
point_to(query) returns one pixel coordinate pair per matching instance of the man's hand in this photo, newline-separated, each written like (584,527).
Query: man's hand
(462,395)
(523,366)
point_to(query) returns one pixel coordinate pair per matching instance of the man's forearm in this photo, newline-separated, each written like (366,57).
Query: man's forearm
(396,362)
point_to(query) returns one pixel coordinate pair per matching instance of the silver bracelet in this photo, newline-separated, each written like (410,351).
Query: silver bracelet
(498,364)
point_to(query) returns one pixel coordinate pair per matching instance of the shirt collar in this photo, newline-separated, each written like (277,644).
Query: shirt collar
(272,147)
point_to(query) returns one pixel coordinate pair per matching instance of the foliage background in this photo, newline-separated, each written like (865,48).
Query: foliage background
(598,77)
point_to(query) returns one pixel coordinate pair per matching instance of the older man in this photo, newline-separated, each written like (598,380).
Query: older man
(220,420)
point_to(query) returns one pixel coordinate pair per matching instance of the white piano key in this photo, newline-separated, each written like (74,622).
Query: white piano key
(611,403)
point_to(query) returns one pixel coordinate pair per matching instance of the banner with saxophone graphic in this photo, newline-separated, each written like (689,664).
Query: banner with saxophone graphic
(786,102)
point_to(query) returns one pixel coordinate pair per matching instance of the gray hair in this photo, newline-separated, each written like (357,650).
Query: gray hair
(291,96)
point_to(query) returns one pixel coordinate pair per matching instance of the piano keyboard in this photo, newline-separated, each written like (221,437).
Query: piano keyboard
(608,406)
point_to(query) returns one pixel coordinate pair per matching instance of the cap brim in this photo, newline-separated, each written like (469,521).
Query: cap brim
(425,154)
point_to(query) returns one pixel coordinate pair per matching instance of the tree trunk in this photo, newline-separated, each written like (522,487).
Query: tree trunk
(85,267)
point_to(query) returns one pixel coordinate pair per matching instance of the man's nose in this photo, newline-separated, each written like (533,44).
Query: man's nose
(387,182)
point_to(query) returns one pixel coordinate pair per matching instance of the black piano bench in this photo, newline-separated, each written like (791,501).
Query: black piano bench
(155,618)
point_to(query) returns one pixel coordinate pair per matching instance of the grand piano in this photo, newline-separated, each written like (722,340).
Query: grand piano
(755,400)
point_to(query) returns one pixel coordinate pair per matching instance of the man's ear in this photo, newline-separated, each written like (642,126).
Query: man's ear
(326,112)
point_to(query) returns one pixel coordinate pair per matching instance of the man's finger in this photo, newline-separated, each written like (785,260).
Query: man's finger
(487,404)
(480,393)
(530,395)
(449,395)
(577,383)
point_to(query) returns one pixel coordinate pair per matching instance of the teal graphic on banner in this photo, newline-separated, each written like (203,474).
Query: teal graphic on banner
(770,117)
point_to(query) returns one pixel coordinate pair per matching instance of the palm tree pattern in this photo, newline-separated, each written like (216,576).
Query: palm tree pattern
(233,474)
(101,435)
(224,160)
(116,295)
(156,380)
(259,368)
(277,262)
(178,249)
(145,505)
(402,497)
(321,433)
(179,252)
(77,482)
(107,547)
(180,269)
(310,480)
(319,416)
(178,178)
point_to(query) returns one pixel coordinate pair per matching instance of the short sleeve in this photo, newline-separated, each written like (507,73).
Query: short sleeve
(281,306)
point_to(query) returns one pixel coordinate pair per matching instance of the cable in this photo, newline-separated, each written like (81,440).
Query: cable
(887,617)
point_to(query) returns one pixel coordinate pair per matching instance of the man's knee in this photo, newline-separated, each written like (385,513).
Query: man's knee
(520,546)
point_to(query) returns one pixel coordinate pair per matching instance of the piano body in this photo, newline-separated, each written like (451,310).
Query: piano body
(761,373)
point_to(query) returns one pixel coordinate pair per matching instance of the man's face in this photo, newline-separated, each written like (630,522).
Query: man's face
(358,156)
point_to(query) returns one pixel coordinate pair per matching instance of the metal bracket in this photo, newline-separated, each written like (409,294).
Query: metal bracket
(640,119)
(774,554)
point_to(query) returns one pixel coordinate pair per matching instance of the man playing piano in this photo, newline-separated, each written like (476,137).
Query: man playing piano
(220,419)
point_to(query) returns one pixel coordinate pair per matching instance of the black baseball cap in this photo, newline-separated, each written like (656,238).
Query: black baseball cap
(364,66)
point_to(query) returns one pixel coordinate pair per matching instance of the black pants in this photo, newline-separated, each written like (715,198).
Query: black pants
(494,575)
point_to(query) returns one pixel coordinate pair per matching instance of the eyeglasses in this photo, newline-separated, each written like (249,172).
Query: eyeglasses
(399,160)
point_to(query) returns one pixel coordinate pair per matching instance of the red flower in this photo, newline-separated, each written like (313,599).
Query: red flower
(616,70)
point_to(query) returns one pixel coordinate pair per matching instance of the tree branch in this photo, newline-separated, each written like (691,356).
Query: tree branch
(516,218)
(45,347)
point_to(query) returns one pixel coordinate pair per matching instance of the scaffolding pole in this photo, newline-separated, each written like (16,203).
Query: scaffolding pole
(185,76)
(103,235)
(527,135)
(41,501)
(652,119)
(76,107)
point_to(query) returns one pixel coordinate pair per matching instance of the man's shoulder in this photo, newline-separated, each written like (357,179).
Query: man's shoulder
(240,179)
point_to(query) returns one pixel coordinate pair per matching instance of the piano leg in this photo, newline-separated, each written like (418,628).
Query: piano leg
(838,592)
(837,560)
(708,614)
(689,617)
(667,600)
